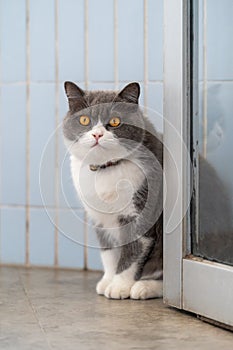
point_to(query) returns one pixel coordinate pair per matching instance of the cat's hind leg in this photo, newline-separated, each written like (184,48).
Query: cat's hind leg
(147,289)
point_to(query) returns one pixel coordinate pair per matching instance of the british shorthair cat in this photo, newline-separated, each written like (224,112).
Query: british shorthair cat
(116,165)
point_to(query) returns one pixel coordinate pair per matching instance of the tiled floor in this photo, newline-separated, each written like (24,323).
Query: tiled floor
(47,309)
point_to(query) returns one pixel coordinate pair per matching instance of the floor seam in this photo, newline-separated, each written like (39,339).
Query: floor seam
(50,347)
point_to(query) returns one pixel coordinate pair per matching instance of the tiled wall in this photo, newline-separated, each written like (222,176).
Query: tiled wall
(97,43)
(100,44)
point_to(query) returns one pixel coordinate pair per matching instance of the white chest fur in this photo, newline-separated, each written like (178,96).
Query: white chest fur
(107,193)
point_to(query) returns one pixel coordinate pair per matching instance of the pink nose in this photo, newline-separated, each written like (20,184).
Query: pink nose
(97,136)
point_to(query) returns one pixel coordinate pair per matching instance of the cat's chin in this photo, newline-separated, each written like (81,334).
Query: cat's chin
(98,154)
(95,155)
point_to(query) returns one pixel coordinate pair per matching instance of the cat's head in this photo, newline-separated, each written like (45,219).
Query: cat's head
(102,125)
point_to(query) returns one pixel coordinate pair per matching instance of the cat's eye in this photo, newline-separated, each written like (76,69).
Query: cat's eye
(84,120)
(115,121)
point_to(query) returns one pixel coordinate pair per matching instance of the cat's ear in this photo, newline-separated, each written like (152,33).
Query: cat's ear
(130,93)
(75,95)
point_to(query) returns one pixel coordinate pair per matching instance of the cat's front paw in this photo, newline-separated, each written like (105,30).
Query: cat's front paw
(118,289)
(102,285)
(147,289)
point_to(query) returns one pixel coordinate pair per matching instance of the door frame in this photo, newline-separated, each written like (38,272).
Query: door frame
(190,283)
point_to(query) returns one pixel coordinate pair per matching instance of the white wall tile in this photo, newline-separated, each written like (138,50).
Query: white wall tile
(41,237)
(12,228)
(13,40)
(13,144)
(42,40)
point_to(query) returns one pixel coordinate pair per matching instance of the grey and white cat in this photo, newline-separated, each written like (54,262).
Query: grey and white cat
(116,166)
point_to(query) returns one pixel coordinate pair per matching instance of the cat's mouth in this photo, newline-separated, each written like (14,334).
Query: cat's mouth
(95,144)
(95,167)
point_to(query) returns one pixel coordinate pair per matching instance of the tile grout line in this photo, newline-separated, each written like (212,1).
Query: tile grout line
(56,238)
(145,29)
(86,60)
(38,82)
(151,81)
(45,267)
(28,116)
(116,61)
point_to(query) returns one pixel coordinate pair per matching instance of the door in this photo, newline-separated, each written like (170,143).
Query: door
(198,108)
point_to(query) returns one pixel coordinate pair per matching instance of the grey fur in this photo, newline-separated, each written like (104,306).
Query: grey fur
(125,220)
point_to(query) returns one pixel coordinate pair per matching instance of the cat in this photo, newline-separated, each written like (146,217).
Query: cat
(116,160)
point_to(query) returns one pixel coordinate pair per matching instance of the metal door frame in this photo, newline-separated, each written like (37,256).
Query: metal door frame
(190,283)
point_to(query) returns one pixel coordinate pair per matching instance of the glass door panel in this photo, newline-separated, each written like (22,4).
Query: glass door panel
(213,237)
(207,274)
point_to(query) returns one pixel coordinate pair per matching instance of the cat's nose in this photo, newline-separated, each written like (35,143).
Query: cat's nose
(97,136)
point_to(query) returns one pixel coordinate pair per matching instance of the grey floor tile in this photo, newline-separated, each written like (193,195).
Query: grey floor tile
(19,327)
(47,309)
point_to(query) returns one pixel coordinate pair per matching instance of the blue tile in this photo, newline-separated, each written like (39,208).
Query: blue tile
(71,254)
(71,238)
(101,86)
(42,40)
(13,225)
(130,40)
(13,40)
(155,104)
(41,237)
(219,37)
(101,40)
(71,39)
(155,97)
(42,146)
(94,259)
(13,144)
(71,225)
(93,249)
(155,39)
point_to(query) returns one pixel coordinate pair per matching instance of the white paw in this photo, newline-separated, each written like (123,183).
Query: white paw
(118,289)
(102,285)
(147,289)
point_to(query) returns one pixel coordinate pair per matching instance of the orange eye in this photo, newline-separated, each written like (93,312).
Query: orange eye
(114,121)
(84,120)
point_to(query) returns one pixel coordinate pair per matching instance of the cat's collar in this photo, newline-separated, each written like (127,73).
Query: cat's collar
(95,167)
